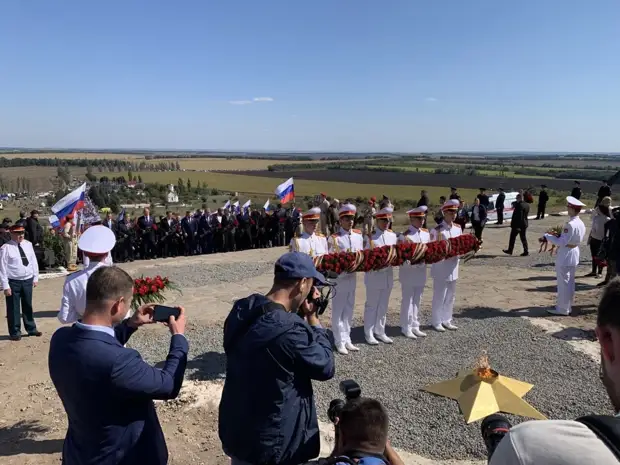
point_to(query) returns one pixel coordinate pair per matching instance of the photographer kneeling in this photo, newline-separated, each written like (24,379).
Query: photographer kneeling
(362,435)
(592,439)
(275,347)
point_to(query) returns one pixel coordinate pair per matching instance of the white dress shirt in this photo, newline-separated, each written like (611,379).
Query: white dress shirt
(73,302)
(11,266)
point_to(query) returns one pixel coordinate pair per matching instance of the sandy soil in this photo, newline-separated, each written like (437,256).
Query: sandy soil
(33,423)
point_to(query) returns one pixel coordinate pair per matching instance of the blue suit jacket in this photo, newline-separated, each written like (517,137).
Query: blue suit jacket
(107,391)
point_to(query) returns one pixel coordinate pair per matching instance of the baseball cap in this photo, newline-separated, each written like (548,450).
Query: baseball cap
(297,265)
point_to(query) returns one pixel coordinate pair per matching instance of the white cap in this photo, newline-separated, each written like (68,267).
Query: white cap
(384,213)
(573,202)
(97,240)
(312,214)
(347,210)
(418,212)
(452,204)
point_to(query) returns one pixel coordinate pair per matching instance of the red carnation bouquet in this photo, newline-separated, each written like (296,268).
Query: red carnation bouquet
(413,253)
(544,243)
(151,290)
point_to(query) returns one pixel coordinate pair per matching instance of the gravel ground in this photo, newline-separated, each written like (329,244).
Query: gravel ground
(420,422)
(202,274)
(539,261)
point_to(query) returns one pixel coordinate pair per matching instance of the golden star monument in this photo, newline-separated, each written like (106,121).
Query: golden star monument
(482,391)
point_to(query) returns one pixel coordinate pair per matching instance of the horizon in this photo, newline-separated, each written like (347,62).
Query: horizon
(346,77)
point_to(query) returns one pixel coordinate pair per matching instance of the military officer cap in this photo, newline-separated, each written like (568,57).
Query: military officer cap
(17,229)
(418,212)
(312,214)
(384,213)
(97,240)
(451,205)
(347,210)
(574,203)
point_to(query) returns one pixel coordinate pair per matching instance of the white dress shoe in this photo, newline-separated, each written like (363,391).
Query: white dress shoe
(439,328)
(450,326)
(351,347)
(418,333)
(370,340)
(383,338)
(408,334)
(341,349)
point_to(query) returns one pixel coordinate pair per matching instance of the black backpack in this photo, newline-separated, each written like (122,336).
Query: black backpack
(606,428)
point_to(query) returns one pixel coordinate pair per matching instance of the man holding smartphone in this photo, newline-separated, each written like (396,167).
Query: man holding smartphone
(275,347)
(106,389)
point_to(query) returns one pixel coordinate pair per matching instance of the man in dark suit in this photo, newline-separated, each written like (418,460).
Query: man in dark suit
(576,192)
(603,191)
(145,224)
(543,198)
(484,198)
(499,205)
(167,227)
(518,226)
(107,390)
(34,231)
(190,230)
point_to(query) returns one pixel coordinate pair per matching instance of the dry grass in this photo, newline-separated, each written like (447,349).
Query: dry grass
(235,164)
(40,176)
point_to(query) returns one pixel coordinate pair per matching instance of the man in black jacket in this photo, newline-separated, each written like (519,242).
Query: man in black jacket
(518,226)
(423,202)
(543,198)
(34,231)
(576,192)
(484,198)
(499,205)
(603,191)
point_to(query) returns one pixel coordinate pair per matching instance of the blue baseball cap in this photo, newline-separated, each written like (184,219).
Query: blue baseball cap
(297,265)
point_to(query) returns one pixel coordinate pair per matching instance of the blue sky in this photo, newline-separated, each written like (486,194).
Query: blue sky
(350,75)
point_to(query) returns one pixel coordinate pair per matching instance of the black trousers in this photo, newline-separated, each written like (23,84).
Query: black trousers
(478,227)
(513,236)
(595,246)
(540,214)
(500,216)
(20,301)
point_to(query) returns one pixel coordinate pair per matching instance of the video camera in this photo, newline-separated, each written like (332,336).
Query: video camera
(351,391)
(321,302)
(494,428)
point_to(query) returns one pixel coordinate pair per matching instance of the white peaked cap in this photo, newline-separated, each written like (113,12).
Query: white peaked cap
(418,211)
(97,240)
(573,202)
(347,209)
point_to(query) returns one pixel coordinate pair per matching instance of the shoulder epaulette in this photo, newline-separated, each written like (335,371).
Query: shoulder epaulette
(320,234)
(459,226)
(389,230)
(424,229)
(357,231)
(438,227)
(335,235)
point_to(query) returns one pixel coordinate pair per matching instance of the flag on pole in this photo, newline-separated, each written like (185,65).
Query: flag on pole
(266,206)
(286,191)
(226,205)
(69,204)
(235,206)
(247,204)
(121,215)
(54,222)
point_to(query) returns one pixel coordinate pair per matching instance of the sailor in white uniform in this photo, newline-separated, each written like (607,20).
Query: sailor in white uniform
(446,272)
(310,242)
(378,283)
(107,260)
(95,243)
(413,277)
(346,239)
(567,258)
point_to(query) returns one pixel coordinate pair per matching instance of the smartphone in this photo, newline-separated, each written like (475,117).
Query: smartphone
(162,313)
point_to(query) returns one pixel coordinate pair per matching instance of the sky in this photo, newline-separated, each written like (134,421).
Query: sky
(319,75)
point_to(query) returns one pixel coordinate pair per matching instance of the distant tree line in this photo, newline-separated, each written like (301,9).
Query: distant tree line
(101,164)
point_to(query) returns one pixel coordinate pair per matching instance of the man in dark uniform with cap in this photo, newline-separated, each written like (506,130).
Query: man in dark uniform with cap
(543,198)
(576,192)
(454,195)
(484,198)
(5,235)
(499,205)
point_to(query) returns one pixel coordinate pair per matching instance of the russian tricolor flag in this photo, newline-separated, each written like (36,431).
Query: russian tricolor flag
(286,191)
(69,204)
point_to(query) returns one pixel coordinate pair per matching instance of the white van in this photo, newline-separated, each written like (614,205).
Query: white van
(508,209)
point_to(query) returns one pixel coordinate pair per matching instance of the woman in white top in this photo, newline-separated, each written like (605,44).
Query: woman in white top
(600,216)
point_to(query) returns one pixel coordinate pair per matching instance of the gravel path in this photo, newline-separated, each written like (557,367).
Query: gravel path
(421,422)
(202,274)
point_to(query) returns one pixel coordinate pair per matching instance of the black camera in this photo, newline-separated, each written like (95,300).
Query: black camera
(351,390)
(494,428)
(321,302)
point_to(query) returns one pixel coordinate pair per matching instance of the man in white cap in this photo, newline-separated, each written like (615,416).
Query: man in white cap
(413,277)
(310,242)
(446,272)
(345,240)
(378,283)
(95,243)
(567,258)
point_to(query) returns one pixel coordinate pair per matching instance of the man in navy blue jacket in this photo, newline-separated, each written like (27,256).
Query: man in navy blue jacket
(107,390)
(267,414)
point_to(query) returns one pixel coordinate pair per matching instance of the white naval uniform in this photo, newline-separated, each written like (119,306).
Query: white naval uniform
(444,273)
(313,245)
(378,286)
(343,302)
(566,261)
(412,281)
(108,260)
(73,302)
